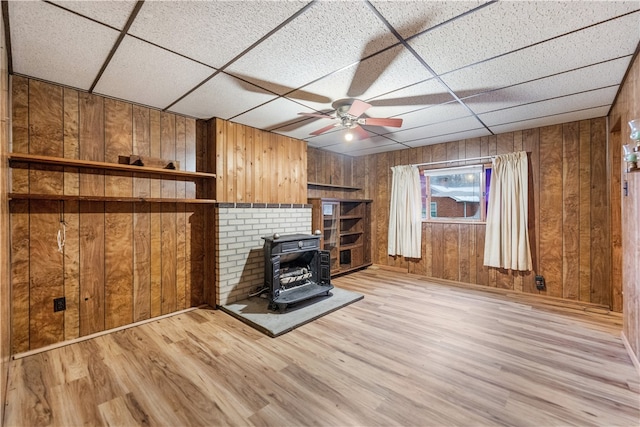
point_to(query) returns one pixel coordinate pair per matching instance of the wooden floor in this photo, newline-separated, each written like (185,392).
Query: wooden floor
(410,353)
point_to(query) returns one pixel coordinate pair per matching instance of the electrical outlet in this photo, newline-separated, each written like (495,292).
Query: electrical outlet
(59,304)
(540,284)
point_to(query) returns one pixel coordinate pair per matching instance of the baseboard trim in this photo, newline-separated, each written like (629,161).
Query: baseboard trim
(632,355)
(98,334)
(389,268)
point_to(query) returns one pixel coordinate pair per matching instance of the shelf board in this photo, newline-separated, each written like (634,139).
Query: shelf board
(340,187)
(350,246)
(61,161)
(351,233)
(351,217)
(28,196)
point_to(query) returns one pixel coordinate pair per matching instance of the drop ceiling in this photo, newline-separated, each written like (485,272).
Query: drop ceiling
(450,70)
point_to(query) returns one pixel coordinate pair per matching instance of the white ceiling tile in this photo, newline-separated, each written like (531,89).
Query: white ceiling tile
(113,13)
(325,38)
(457,136)
(581,101)
(376,144)
(377,150)
(213,32)
(336,136)
(273,114)
(437,129)
(434,114)
(374,149)
(300,127)
(393,69)
(148,75)
(222,96)
(414,97)
(414,16)
(346,147)
(552,120)
(509,25)
(596,44)
(51,44)
(583,79)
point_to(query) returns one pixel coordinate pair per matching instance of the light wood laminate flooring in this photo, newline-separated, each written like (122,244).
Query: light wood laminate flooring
(411,353)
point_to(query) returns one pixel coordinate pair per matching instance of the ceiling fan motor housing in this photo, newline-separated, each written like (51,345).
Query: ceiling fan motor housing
(342,107)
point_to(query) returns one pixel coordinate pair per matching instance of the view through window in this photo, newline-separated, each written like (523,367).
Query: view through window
(458,193)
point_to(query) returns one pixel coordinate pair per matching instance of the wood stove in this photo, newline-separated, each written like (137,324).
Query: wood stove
(295,269)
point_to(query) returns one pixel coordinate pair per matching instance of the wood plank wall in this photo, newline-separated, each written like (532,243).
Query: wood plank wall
(122,262)
(626,108)
(325,167)
(569,211)
(255,166)
(5,295)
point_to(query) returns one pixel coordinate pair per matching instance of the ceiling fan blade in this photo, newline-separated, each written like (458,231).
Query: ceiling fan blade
(394,123)
(323,130)
(358,107)
(361,132)
(322,116)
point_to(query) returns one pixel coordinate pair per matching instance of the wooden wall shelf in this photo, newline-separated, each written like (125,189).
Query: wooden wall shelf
(338,187)
(61,161)
(27,196)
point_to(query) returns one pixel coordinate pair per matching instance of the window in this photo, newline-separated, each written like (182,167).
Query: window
(458,194)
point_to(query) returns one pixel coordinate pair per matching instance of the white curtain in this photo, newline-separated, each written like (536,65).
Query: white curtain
(405,217)
(507,237)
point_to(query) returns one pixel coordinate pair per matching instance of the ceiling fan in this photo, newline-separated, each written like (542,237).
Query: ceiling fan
(348,112)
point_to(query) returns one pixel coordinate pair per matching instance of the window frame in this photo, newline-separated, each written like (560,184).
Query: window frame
(426,198)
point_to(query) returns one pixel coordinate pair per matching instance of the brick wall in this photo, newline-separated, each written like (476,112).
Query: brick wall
(449,208)
(239,254)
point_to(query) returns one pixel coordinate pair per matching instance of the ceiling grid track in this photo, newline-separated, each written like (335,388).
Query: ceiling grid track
(534,44)
(425,65)
(123,33)
(244,52)
(399,43)
(280,66)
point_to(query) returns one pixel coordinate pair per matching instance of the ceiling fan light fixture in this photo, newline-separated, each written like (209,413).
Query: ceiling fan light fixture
(348,136)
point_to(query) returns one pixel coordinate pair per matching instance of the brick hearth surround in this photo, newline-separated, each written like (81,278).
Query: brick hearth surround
(239,257)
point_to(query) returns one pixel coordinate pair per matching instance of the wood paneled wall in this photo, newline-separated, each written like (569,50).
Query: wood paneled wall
(335,169)
(5,295)
(626,108)
(122,262)
(255,166)
(569,212)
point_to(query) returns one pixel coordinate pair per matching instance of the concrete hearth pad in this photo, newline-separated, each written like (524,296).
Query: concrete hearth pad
(254,311)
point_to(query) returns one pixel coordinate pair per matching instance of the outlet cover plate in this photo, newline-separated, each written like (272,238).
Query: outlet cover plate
(59,304)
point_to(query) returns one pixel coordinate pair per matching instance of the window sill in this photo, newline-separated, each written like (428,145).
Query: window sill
(453,221)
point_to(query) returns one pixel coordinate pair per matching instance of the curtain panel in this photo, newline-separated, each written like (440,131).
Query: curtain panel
(405,216)
(507,236)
